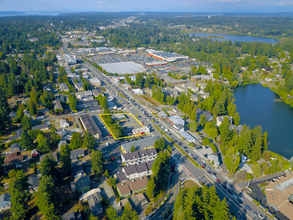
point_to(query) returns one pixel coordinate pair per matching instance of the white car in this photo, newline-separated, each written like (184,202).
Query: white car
(259,215)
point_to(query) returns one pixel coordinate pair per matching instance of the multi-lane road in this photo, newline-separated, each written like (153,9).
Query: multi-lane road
(240,206)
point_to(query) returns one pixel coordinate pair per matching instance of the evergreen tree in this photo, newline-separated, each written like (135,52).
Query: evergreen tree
(25,141)
(5,121)
(43,144)
(76,141)
(45,198)
(26,123)
(65,159)
(88,141)
(202,120)
(48,167)
(18,189)
(225,131)
(97,162)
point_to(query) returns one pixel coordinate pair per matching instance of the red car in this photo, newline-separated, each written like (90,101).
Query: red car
(218,181)
(110,135)
(203,167)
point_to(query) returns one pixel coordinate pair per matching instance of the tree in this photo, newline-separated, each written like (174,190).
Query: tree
(111,213)
(45,198)
(32,107)
(107,173)
(92,217)
(129,214)
(72,102)
(132,148)
(112,182)
(211,129)
(202,120)
(160,144)
(225,131)
(193,126)
(55,138)
(25,141)
(48,166)
(26,123)
(76,141)
(88,141)
(43,145)
(232,160)
(5,121)
(18,189)
(97,162)
(65,159)
(139,81)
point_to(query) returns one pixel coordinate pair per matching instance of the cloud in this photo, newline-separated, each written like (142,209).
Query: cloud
(285,3)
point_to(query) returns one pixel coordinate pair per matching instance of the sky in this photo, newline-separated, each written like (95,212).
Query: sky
(236,6)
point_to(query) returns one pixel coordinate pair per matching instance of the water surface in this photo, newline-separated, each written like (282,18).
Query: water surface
(256,106)
(234,38)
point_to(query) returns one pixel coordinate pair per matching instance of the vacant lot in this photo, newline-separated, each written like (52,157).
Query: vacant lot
(151,100)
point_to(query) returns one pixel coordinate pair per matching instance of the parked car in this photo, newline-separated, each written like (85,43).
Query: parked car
(254,213)
(247,207)
(218,181)
(261,216)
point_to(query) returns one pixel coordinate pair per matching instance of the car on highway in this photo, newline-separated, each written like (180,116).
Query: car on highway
(247,207)
(214,177)
(261,216)
(240,199)
(218,181)
(208,168)
(203,166)
(254,213)
(235,197)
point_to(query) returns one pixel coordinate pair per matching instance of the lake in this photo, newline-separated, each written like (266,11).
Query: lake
(256,106)
(234,38)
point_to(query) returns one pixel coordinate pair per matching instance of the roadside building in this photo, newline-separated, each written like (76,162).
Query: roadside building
(143,130)
(96,82)
(162,115)
(15,148)
(139,156)
(90,125)
(145,143)
(214,159)
(53,154)
(138,91)
(177,122)
(96,93)
(187,136)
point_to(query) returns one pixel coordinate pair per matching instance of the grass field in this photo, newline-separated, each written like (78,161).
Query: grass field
(189,184)
(151,100)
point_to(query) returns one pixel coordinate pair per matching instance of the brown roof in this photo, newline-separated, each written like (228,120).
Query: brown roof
(151,151)
(123,188)
(130,169)
(138,183)
(13,157)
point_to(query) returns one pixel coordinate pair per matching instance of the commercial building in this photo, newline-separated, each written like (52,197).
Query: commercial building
(177,122)
(142,130)
(145,143)
(187,136)
(132,186)
(166,56)
(279,195)
(90,125)
(95,81)
(162,115)
(138,91)
(214,159)
(123,68)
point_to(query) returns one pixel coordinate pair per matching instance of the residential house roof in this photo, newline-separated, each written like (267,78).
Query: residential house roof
(131,169)
(5,197)
(72,216)
(15,157)
(77,170)
(40,127)
(142,167)
(58,105)
(120,176)
(75,153)
(80,182)
(95,92)
(138,183)
(123,188)
(150,164)
(90,125)
(15,148)
(34,181)
(94,204)
(54,155)
(207,114)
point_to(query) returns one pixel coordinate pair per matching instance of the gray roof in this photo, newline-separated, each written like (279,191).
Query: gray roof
(198,111)
(81,181)
(131,155)
(130,169)
(90,125)
(150,164)
(140,144)
(15,147)
(5,197)
(151,151)
(77,169)
(120,176)
(72,216)
(40,126)
(74,154)
(176,120)
(18,134)
(58,105)
(94,204)
(207,114)
(34,181)
(54,154)
(142,167)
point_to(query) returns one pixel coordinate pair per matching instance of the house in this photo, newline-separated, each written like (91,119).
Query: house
(236,128)
(95,93)
(95,204)
(12,115)
(76,170)
(139,156)
(214,158)
(76,154)
(138,91)
(245,167)
(120,176)
(177,122)
(139,200)
(53,154)
(72,216)
(81,183)
(5,201)
(96,192)
(15,148)
(63,123)
(34,182)
(42,127)
(78,86)
(13,158)
(34,153)
(220,119)
(90,125)
(63,87)
(181,88)
(61,143)
(57,105)
(17,135)
(208,115)
(132,186)
(145,143)
(162,115)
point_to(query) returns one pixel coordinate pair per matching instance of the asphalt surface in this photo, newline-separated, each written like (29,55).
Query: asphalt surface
(236,207)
